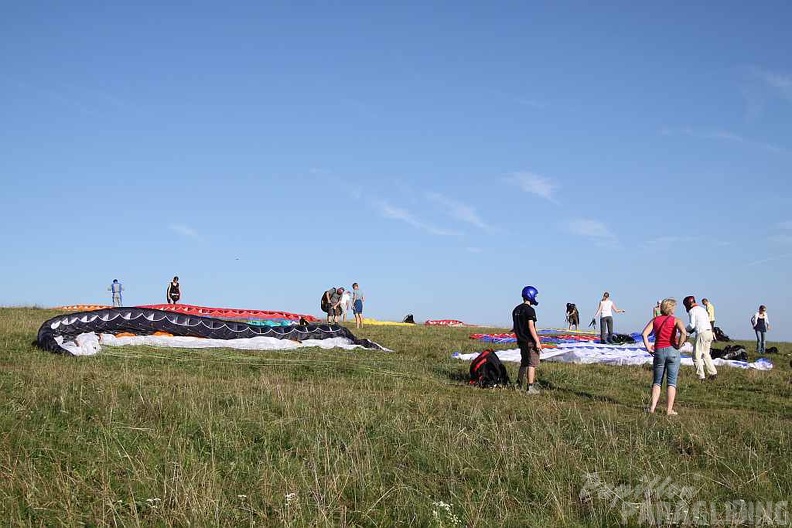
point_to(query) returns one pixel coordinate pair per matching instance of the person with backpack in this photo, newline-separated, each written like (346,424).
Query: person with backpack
(669,332)
(524,320)
(115,290)
(572,316)
(330,304)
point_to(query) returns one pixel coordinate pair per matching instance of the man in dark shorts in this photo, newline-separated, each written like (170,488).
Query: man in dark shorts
(524,317)
(331,301)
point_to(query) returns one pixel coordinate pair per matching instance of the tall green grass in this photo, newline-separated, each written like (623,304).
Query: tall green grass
(139,436)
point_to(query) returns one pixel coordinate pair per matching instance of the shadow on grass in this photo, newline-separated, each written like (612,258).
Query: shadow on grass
(549,385)
(455,375)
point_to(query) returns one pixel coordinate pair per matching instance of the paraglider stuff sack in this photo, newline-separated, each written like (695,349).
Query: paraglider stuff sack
(486,370)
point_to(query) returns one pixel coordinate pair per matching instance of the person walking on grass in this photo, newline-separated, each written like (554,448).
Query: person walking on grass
(669,333)
(524,319)
(760,324)
(699,323)
(115,290)
(357,304)
(605,310)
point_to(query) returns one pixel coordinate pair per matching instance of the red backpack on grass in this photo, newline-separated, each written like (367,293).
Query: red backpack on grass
(486,370)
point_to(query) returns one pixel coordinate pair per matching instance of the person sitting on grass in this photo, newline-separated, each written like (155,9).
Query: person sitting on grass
(669,332)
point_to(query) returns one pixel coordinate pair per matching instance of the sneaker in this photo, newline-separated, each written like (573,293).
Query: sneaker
(533,390)
(712,377)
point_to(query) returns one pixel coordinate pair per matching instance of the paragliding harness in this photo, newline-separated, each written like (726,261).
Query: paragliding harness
(409,319)
(487,371)
(323,304)
(720,336)
(622,339)
(732,352)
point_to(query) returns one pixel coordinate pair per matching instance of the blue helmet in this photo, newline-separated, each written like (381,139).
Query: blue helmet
(529,293)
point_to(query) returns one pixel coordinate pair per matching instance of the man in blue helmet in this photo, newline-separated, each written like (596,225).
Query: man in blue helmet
(524,317)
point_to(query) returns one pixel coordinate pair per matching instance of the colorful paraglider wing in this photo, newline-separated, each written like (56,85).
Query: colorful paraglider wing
(144,321)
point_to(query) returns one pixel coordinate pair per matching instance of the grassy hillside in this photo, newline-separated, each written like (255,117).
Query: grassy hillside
(145,436)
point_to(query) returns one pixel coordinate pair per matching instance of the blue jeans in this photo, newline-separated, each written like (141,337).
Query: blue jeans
(666,362)
(606,322)
(760,341)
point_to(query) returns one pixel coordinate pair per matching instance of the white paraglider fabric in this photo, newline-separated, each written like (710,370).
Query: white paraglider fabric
(88,344)
(611,355)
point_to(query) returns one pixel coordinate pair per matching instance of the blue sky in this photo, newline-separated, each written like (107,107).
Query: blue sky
(443,155)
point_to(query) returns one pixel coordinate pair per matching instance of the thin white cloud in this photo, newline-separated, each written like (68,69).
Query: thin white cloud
(184,231)
(534,184)
(457,210)
(785,225)
(396,213)
(770,259)
(594,230)
(529,102)
(720,135)
(781,82)
(782,239)
(664,243)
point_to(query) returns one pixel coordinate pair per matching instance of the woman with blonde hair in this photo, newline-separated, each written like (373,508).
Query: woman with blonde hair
(669,332)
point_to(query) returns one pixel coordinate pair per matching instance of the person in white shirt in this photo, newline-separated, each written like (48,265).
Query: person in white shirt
(700,323)
(605,310)
(346,298)
(761,324)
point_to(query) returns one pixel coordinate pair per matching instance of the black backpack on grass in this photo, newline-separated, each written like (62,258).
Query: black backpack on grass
(486,370)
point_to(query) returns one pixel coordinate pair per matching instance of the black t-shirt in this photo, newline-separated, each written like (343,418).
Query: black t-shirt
(521,314)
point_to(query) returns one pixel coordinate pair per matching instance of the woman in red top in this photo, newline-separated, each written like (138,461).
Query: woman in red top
(669,335)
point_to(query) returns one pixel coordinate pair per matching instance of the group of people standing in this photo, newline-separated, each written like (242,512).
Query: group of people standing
(605,310)
(337,301)
(670,333)
(172,294)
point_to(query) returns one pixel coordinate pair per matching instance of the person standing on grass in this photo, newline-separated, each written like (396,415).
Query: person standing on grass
(524,319)
(605,310)
(760,324)
(357,304)
(710,312)
(699,323)
(669,333)
(346,298)
(115,290)
(330,303)
(572,316)
(174,291)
